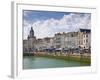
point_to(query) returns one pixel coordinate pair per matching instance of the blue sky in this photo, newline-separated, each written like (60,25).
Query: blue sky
(31,15)
(47,23)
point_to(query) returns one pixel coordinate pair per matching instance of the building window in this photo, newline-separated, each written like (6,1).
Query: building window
(58,41)
(87,41)
(58,38)
(58,46)
(72,35)
(87,35)
(84,41)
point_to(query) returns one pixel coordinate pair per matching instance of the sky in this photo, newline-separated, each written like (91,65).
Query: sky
(47,23)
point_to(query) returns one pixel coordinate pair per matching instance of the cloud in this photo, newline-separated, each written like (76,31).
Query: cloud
(26,28)
(70,22)
(26,13)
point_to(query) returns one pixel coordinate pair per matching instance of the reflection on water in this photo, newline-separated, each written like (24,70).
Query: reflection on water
(32,62)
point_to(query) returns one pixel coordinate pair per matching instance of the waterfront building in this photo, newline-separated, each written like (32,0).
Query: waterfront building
(45,43)
(48,41)
(71,40)
(84,38)
(25,45)
(59,40)
(39,44)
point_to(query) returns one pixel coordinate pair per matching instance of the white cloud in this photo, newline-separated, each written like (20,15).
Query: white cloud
(67,23)
(26,29)
(25,13)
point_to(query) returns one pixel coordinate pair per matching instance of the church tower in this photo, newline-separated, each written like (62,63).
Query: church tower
(31,40)
(31,33)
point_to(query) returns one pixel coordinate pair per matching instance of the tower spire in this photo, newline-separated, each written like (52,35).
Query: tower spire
(31,32)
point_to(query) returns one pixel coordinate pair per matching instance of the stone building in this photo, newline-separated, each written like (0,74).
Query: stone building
(44,43)
(39,44)
(59,40)
(25,45)
(84,38)
(71,40)
(48,41)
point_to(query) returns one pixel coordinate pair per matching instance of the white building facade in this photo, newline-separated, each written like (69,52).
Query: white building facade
(71,40)
(59,40)
(84,38)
